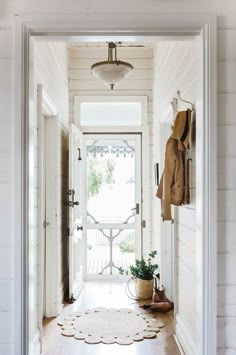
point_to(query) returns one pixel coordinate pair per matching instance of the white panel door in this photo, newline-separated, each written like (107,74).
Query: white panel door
(51,222)
(75,211)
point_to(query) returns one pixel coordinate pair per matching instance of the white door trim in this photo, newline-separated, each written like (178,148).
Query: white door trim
(145,157)
(46,109)
(88,26)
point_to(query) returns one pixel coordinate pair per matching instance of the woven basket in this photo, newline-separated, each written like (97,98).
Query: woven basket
(143,288)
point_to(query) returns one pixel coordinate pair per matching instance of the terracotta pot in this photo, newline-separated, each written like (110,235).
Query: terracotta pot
(144,288)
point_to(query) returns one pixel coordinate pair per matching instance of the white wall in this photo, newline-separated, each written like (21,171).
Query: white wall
(51,71)
(226,189)
(6,190)
(226,182)
(139,83)
(175,69)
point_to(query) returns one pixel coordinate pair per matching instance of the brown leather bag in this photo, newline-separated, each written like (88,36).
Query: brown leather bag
(158,295)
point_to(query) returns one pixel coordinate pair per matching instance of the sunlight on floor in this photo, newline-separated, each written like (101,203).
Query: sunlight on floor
(106,294)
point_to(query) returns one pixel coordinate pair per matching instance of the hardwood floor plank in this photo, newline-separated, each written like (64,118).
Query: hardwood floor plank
(107,294)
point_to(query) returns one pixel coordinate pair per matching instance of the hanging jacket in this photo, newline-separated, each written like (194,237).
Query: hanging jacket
(170,189)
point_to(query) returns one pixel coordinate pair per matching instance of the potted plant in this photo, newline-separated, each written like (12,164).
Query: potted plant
(143,272)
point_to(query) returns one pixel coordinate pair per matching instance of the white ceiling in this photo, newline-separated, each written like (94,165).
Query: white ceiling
(104,44)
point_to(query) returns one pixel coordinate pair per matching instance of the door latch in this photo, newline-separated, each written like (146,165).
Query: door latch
(45,224)
(71,203)
(136,208)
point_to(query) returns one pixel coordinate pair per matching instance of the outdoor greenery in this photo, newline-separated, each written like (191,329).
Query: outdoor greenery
(127,245)
(110,166)
(142,269)
(99,174)
(94,179)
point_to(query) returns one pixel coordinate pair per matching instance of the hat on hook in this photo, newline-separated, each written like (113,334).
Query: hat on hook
(182,125)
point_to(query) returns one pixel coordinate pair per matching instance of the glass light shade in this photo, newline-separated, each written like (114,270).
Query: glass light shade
(111,72)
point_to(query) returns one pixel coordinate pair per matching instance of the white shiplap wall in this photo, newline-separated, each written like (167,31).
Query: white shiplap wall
(226,190)
(139,83)
(6,190)
(51,71)
(226,174)
(175,69)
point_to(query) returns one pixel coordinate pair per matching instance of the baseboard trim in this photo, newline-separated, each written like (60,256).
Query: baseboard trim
(184,337)
(178,345)
(79,290)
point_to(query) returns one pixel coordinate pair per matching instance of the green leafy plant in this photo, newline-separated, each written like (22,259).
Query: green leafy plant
(143,268)
(99,173)
(127,245)
(94,179)
(110,167)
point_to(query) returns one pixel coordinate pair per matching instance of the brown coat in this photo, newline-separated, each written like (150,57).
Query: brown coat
(170,189)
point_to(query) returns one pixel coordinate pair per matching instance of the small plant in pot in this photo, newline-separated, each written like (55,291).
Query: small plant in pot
(143,272)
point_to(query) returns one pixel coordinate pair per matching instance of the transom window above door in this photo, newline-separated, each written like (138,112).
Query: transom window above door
(98,111)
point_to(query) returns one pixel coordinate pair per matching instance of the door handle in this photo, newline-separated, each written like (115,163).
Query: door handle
(71,203)
(80,228)
(136,208)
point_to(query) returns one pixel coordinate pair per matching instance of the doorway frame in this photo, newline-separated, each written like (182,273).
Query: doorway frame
(89,26)
(137,136)
(144,131)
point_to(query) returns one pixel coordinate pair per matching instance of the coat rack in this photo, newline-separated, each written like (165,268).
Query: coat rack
(187,158)
(174,104)
(188,102)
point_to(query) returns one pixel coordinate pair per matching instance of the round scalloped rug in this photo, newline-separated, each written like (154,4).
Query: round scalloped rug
(109,325)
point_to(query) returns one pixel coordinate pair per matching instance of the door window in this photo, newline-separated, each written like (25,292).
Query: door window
(113,221)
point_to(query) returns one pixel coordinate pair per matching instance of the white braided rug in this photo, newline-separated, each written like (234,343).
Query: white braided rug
(109,325)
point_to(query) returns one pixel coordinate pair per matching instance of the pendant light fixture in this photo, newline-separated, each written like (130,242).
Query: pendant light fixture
(111,71)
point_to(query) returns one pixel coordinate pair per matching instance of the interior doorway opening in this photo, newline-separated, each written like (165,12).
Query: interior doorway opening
(200,338)
(109,201)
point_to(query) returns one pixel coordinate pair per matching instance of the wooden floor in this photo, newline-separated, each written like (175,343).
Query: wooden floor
(107,294)
(99,257)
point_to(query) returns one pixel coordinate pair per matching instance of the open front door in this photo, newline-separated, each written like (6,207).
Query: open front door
(74,202)
(113,204)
